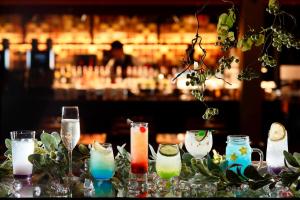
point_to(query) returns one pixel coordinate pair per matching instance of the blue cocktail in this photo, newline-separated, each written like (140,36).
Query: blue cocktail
(101,163)
(238,151)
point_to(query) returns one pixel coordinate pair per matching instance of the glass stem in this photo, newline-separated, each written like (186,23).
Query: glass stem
(70,163)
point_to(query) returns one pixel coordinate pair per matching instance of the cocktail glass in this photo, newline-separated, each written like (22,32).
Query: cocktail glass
(101,162)
(277,143)
(22,143)
(238,151)
(198,143)
(168,164)
(139,151)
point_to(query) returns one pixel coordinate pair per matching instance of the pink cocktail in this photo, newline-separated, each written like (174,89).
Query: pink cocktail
(139,147)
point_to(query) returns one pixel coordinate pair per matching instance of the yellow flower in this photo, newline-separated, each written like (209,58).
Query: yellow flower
(243,150)
(233,157)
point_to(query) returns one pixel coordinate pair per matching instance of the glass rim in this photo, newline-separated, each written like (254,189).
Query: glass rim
(196,131)
(69,107)
(105,144)
(238,136)
(23,131)
(139,123)
(171,144)
(17,133)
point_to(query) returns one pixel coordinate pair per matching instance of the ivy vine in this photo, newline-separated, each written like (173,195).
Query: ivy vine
(276,35)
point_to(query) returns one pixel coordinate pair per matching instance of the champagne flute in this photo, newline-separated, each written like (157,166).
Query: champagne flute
(70,131)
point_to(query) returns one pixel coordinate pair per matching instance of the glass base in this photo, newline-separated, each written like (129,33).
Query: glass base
(72,178)
(137,183)
(139,177)
(17,176)
(197,179)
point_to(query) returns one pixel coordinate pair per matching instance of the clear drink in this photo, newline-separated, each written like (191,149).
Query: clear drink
(139,147)
(22,147)
(277,143)
(70,132)
(102,163)
(70,135)
(168,161)
(198,143)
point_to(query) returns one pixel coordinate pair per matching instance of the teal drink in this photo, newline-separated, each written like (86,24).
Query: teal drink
(238,151)
(101,163)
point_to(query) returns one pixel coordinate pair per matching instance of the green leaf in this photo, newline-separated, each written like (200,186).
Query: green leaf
(83,149)
(8,144)
(49,141)
(296,155)
(186,158)
(251,173)
(223,166)
(153,153)
(121,148)
(260,40)
(288,178)
(290,159)
(36,160)
(233,177)
(230,36)
(222,22)
(7,153)
(211,165)
(245,44)
(231,18)
(202,168)
(273,4)
(254,185)
(56,137)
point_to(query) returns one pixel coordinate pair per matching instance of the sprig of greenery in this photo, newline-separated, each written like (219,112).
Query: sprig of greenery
(276,34)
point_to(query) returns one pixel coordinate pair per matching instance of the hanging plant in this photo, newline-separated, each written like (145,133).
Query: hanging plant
(276,35)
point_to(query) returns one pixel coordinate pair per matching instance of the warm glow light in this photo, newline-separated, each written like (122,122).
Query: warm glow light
(161,76)
(170,138)
(181,137)
(90,138)
(264,70)
(214,84)
(268,86)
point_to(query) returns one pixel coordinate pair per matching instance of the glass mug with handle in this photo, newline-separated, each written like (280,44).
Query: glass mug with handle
(238,151)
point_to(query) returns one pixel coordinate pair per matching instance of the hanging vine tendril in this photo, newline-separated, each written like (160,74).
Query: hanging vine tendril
(198,72)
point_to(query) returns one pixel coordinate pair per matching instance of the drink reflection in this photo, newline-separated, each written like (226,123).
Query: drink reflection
(104,189)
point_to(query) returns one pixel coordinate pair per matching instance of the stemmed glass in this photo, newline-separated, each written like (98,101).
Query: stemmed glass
(198,143)
(168,164)
(70,132)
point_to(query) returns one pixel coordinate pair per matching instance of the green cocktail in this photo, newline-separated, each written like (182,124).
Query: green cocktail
(168,161)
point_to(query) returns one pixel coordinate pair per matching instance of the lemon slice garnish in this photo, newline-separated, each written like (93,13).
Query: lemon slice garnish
(277,131)
(168,150)
(99,147)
